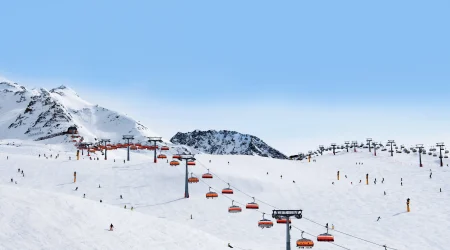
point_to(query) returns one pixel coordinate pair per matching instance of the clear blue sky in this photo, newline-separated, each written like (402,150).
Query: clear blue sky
(256,66)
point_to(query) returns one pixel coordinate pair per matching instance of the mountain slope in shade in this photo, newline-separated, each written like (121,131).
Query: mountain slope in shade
(226,142)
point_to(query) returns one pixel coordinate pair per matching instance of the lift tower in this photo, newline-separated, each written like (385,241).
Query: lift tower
(374,148)
(154,140)
(368,142)
(420,147)
(440,145)
(104,141)
(186,158)
(354,144)
(391,142)
(321,148)
(128,138)
(86,145)
(346,145)
(334,147)
(286,214)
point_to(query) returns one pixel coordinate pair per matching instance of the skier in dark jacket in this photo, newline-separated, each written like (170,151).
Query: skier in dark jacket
(111,227)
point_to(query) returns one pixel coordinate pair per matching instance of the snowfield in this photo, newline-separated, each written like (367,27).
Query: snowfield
(43,210)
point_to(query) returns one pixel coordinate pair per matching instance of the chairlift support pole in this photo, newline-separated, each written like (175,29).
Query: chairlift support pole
(88,144)
(154,140)
(440,145)
(106,150)
(128,138)
(186,158)
(346,145)
(374,148)
(321,148)
(368,142)
(354,143)
(420,147)
(392,143)
(334,147)
(286,214)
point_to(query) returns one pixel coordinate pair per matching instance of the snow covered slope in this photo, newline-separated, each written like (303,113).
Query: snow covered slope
(225,142)
(33,219)
(30,114)
(157,190)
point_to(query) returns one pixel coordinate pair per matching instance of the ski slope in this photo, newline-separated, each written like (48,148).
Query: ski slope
(161,214)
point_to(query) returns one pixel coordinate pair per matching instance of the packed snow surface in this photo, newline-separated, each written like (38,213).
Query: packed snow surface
(43,210)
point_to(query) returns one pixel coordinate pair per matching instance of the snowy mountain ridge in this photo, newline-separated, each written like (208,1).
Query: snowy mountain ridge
(32,114)
(226,142)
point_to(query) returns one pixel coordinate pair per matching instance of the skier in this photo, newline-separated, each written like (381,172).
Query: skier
(124,161)
(12,180)
(76,189)
(431,175)
(101,201)
(281,176)
(382,181)
(132,208)
(22,171)
(84,195)
(332,183)
(98,185)
(229,245)
(345,176)
(18,170)
(228,163)
(293,181)
(401,183)
(384,192)
(125,206)
(120,196)
(378,218)
(111,227)
(209,161)
(39,155)
(359,181)
(440,190)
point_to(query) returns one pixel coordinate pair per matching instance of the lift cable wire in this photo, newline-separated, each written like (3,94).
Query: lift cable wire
(347,234)
(257,210)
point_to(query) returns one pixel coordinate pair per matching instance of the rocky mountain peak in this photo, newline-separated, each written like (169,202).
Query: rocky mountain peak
(225,142)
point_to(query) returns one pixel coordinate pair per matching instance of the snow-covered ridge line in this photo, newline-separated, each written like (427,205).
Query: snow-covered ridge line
(36,113)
